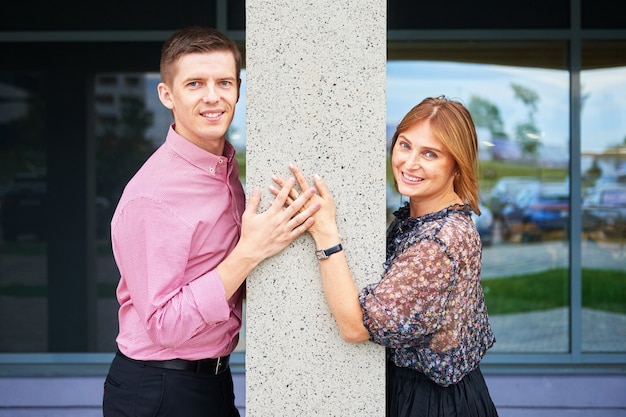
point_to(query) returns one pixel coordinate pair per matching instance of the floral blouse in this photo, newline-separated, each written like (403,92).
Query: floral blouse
(429,308)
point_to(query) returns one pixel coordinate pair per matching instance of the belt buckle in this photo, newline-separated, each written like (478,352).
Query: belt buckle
(217,365)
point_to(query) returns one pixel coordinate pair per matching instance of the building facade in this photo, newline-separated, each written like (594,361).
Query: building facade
(545,82)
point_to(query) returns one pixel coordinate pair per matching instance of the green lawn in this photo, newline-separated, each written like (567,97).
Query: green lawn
(602,290)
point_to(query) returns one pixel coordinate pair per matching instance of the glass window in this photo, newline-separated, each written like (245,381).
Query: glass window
(603,222)
(477,15)
(23,251)
(520,103)
(129,125)
(105,16)
(522,118)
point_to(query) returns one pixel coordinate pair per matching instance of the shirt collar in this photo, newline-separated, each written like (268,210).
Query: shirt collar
(197,156)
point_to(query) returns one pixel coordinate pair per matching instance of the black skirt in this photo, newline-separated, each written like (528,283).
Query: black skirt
(413,394)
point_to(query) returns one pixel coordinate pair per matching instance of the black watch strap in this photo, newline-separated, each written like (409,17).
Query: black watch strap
(325,253)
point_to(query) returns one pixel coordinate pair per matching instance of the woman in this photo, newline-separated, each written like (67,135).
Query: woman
(428,309)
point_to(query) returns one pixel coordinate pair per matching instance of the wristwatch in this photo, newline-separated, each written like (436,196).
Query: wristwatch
(325,253)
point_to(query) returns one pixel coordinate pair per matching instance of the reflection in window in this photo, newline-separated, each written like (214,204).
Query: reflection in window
(133,81)
(106,80)
(23,251)
(603,223)
(129,124)
(522,120)
(523,127)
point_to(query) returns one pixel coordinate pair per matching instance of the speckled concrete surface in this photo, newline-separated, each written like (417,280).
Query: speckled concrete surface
(315,96)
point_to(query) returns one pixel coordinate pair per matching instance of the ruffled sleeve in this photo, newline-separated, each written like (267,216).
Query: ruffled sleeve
(406,307)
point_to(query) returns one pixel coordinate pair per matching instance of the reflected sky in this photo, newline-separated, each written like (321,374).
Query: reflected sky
(409,82)
(604,106)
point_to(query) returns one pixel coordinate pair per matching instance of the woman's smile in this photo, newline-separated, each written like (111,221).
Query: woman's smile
(410,178)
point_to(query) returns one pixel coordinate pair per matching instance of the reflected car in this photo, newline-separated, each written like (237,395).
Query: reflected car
(604,210)
(505,190)
(484,224)
(536,210)
(617,178)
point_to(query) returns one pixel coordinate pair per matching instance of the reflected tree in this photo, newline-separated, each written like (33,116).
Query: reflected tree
(527,133)
(487,115)
(122,148)
(593,172)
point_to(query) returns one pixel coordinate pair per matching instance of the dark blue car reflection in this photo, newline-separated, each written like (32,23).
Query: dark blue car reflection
(604,211)
(536,210)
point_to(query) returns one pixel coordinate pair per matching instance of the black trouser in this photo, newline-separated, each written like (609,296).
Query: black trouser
(133,389)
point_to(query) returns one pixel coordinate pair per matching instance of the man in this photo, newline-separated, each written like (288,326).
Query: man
(184,244)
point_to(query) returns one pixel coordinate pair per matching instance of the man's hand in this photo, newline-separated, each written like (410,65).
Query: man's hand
(324,231)
(270,232)
(265,234)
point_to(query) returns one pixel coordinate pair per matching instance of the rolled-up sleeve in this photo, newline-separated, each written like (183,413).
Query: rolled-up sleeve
(152,247)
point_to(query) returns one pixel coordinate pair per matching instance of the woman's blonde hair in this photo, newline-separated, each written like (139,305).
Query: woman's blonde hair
(452,125)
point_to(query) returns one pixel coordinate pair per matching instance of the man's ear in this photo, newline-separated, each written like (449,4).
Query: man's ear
(165,96)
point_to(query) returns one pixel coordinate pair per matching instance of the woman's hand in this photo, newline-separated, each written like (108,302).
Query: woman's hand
(324,230)
(339,288)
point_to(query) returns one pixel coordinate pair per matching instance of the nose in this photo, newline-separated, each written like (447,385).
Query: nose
(211,95)
(413,160)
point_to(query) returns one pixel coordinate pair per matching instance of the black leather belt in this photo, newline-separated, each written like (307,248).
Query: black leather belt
(202,367)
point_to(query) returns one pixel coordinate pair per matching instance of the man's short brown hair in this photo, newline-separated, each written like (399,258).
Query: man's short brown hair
(195,39)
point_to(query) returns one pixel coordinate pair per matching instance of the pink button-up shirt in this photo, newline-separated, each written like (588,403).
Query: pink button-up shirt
(178,218)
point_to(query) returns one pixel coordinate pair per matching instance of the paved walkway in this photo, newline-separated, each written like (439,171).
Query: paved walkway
(548,332)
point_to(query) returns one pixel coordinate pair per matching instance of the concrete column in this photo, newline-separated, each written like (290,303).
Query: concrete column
(316,97)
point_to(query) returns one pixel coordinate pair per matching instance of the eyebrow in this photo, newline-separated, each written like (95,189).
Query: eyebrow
(430,148)
(201,78)
(427,148)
